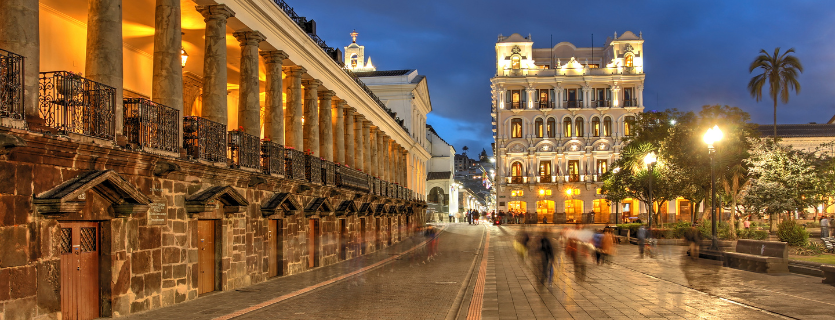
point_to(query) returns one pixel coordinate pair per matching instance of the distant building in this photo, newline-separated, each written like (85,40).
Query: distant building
(441,189)
(806,137)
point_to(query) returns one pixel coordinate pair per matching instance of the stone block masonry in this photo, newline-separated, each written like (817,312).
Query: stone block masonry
(149,253)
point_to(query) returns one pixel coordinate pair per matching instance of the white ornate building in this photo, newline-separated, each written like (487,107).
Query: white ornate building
(559,116)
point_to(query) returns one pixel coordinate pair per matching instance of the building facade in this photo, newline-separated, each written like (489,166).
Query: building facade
(559,118)
(158,150)
(441,189)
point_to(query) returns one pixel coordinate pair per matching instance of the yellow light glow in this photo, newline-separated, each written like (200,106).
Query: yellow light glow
(568,192)
(541,192)
(183,56)
(650,158)
(713,135)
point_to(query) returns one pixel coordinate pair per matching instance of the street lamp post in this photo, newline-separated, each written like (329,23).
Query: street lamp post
(650,160)
(711,136)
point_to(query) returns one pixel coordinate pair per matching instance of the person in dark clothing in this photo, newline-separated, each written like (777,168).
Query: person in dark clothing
(546,250)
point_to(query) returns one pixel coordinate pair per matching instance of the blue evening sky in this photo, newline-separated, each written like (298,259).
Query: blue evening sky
(697,52)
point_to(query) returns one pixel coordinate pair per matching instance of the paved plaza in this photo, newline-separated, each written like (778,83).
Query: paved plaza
(465,281)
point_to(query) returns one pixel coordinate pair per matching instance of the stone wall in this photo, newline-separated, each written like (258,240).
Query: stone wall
(152,262)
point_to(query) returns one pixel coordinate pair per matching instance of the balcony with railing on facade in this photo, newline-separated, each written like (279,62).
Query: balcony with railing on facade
(572,104)
(294,164)
(244,150)
(545,179)
(577,71)
(204,139)
(272,158)
(629,103)
(350,178)
(517,180)
(601,104)
(74,104)
(573,177)
(11,85)
(516,105)
(545,104)
(151,126)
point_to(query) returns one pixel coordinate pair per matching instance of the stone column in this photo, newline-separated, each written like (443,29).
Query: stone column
(359,149)
(350,152)
(19,33)
(381,154)
(366,137)
(311,115)
(214,62)
(339,132)
(249,101)
(639,94)
(326,124)
(104,50)
(386,158)
(375,151)
(167,81)
(295,111)
(274,103)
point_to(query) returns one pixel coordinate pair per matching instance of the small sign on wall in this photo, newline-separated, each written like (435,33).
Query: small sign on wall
(157,213)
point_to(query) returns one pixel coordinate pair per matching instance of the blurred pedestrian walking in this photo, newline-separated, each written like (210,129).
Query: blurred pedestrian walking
(546,251)
(824,227)
(642,237)
(694,238)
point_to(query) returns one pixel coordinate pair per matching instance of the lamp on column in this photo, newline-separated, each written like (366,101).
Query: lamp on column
(183,56)
(711,136)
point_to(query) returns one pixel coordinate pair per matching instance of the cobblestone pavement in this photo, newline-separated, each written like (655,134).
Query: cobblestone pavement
(414,287)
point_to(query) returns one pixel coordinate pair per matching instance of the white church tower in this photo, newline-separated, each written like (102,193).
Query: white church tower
(355,56)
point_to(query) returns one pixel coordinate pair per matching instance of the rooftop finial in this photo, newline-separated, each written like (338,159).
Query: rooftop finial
(354,35)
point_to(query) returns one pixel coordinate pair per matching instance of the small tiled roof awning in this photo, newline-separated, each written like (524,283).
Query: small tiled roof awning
(380,209)
(280,202)
(365,209)
(318,205)
(125,198)
(347,206)
(204,201)
(439,175)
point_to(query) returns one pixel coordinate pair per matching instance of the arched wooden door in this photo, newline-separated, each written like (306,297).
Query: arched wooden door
(79,246)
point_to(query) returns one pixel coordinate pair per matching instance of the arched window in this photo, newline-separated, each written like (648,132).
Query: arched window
(578,125)
(627,125)
(566,127)
(595,127)
(515,62)
(516,172)
(353,60)
(629,62)
(538,127)
(552,128)
(607,127)
(516,128)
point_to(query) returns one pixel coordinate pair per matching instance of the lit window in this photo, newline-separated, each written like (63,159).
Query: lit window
(627,125)
(629,63)
(552,124)
(516,128)
(515,63)
(566,127)
(538,127)
(607,127)
(599,191)
(595,127)
(578,126)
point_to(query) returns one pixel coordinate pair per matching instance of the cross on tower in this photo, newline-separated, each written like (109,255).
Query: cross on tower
(354,35)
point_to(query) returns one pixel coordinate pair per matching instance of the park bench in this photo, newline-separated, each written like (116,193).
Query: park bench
(828,273)
(829,243)
(759,256)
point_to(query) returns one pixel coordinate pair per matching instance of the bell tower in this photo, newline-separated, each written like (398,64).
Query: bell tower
(355,56)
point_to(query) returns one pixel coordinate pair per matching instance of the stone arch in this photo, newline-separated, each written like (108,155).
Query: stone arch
(436,195)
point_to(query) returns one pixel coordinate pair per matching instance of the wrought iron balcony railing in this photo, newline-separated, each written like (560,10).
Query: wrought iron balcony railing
(294,164)
(384,188)
(573,104)
(517,180)
(352,179)
(602,104)
(546,105)
(516,105)
(573,178)
(152,125)
(545,179)
(329,173)
(204,139)
(245,150)
(272,158)
(630,103)
(11,85)
(313,169)
(70,103)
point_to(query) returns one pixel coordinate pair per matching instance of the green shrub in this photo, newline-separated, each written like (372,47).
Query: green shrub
(723,230)
(632,227)
(752,234)
(812,224)
(793,233)
(679,229)
(662,233)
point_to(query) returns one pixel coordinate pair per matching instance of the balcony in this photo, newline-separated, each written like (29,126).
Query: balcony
(605,71)
(546,179)
(73,104)
(204,139)
(573,177)
(351,179)
(572,104)
(546,105)
(11,85)
(516,105)
(630,103)
(313,169)
(601,103)
(329,173)
(245,150)
(294,163)
(149,125)
(516,180)
(272,158)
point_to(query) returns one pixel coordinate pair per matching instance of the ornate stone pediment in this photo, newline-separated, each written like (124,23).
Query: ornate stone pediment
(69,197)
(517,148)
(280,203)
(320,206)
(365,209)
(208,199)
(346,207)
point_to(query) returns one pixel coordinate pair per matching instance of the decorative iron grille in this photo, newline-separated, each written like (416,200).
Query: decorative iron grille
(351,179)
(384,188)
(377,190)
(11,85)
(88,239)
(245,150)
(294,164)
(204,139)
(152,125)
(313,169)
(272,158)
(65,244)
(74,104)
(328,173)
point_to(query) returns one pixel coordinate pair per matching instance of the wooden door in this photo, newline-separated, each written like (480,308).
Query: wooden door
(377,226)
(388,222)
(362,236)
(313,244)
(343,239)
(206,256)
(79,246)
(275,240)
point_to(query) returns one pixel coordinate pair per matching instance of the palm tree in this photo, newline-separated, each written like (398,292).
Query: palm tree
(780,72)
